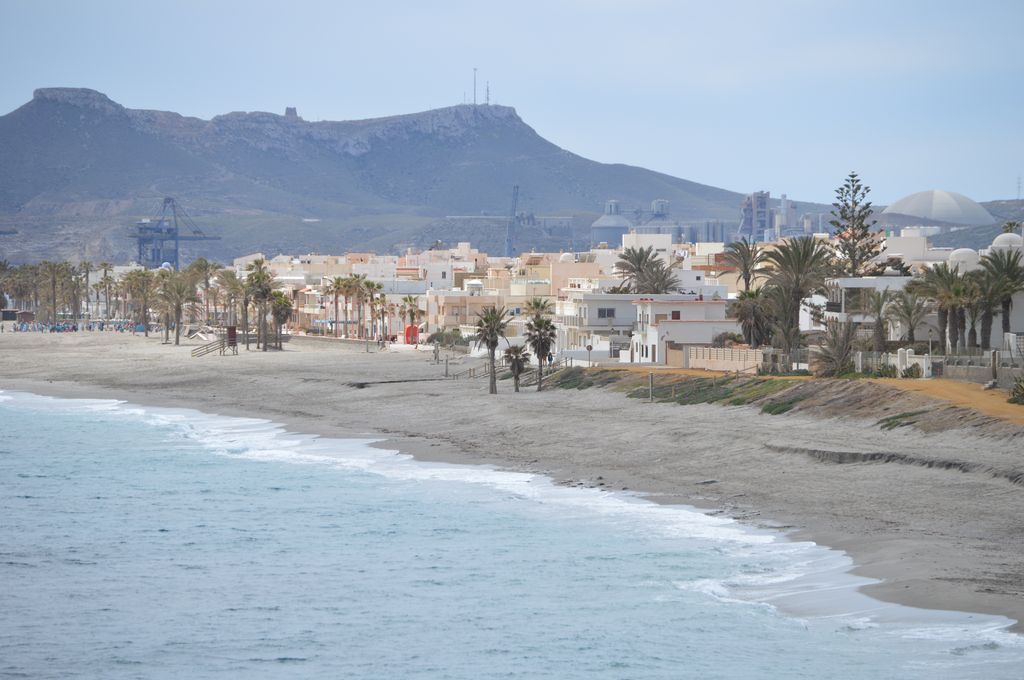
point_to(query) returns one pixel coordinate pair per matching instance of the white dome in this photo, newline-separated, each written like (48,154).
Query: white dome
(947,207)
(1007,241)
(964,258)
(567,257)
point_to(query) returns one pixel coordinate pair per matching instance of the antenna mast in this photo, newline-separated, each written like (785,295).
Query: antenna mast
(474,86)
(487,100)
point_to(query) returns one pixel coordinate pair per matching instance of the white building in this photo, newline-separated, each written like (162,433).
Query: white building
(603,321)
(667,324)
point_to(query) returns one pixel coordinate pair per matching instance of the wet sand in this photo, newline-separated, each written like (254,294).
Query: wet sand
(939,537)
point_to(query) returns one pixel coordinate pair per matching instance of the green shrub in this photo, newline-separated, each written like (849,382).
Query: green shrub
(447,338)
(1017,392)
(779,407)
(900,420)
(912,371)
(886,371)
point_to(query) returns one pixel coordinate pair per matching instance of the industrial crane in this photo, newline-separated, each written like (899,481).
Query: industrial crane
(158,239)
(511,221)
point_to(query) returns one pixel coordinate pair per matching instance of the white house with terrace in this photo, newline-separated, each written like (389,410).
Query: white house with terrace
(667,325)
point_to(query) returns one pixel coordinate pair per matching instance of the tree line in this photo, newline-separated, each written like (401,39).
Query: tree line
(776,281)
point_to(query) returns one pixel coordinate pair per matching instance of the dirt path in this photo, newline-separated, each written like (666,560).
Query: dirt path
(968,395)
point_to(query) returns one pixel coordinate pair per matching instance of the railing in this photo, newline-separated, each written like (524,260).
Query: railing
(217,345)
(485,370)
(477,371)
(530,376)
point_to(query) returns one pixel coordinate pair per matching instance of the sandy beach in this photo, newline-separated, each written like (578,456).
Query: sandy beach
(939,523)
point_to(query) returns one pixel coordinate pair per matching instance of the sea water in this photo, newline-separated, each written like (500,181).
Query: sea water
(153,543)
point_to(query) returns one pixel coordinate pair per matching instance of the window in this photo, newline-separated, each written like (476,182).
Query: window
(675,315)
(605,312)
(444,275)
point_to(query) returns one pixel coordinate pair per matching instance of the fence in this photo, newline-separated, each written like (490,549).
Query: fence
(989,367)
(725,359)
(899,363)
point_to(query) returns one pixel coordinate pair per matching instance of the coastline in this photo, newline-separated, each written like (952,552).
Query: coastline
(917,568)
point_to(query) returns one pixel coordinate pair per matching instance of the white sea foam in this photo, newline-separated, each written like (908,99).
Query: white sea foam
(796,576)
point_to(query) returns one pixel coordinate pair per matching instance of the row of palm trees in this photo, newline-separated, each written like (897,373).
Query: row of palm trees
(61,290)
(966,303)
(794,270)
(491,325)
(365,294)
(55,289)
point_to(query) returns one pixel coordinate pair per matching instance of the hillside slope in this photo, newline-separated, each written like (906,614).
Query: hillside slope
(76,169)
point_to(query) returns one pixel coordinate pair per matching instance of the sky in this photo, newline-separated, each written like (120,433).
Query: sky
(785,96)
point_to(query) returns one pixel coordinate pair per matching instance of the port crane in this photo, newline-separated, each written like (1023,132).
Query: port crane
(159,238)
(511,221)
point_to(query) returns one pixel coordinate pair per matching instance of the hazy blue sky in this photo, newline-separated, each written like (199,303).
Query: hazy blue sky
(786,96)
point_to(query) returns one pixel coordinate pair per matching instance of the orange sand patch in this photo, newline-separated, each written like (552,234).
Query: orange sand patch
(969,395)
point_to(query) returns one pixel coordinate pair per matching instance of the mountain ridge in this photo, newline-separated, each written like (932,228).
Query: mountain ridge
(77,169)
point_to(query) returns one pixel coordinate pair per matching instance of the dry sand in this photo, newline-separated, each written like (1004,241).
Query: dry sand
(939,517)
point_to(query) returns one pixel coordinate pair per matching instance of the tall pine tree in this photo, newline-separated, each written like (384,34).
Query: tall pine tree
(856,244)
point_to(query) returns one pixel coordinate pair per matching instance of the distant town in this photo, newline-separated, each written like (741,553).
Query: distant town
(650,290)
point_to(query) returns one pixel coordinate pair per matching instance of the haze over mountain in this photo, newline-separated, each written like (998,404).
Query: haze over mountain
(77,170)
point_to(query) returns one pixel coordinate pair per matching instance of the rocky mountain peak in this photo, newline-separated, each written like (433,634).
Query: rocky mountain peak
(78,96)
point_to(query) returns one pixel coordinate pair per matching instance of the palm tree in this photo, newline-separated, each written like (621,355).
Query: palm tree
(141,284)
(410,307)
(261,283)
(383,315)
(835,354)
(958,314)
(178,293)
(71,289)
(85,268)
(162,276)
(874,303)
(358,294)
(747,258)
(751,309)
(517,358)
(537,307)
(797,268)
(231,287)
(281,311)
(540,336)
(988,298)
(336,287)
(204,271)
(54,274)
(351,290)
(372,288)
(657,279)
(1006,266)
(246,301)
(490,329)
(6,277)
(909,310)
(972,309)
(634,263)
(940,283)
(106,280)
